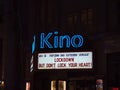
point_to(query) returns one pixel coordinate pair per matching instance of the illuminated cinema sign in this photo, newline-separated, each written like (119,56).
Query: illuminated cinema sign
(62,41)
(65,60)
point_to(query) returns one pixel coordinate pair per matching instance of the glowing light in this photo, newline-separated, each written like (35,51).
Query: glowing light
(54,40)
(27,85)
(75,41)
(33,44)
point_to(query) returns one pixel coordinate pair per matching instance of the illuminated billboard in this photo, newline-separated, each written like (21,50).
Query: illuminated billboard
(65,60)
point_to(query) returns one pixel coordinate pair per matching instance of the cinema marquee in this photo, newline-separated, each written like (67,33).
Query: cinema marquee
(61,59)
(65,60)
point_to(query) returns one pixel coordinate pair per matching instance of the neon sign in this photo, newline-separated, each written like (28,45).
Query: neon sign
(59,40)
(33,44)
(53,40)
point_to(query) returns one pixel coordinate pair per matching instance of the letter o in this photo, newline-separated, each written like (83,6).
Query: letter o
(79,44)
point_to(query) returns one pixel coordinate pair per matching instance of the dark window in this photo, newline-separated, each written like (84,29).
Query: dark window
(113,10)
(81,21)
(1,11)
(119,14)
(113,68)
(0,59)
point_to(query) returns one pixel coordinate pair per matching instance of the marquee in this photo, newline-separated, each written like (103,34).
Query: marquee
(65,60)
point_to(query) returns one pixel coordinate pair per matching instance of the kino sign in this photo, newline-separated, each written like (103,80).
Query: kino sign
(62,41)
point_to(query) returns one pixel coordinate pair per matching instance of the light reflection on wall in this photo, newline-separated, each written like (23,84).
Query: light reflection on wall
(27,85)
(99,84)
(61,85)
(53,85)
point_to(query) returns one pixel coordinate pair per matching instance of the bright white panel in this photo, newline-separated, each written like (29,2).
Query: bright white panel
(65,60)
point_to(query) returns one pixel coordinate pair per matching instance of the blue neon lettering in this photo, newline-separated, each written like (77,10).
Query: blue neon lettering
(33,44)
(44,40)
(62,38)
(73,42)
(56,40)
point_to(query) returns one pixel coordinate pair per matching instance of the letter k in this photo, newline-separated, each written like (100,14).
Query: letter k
(44,40)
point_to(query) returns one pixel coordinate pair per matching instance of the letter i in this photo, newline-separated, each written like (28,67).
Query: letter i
(56,40)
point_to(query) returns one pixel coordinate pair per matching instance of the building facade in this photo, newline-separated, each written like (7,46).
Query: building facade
(23,21)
